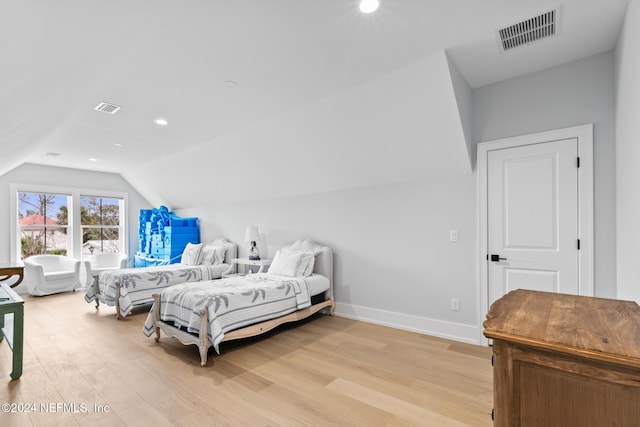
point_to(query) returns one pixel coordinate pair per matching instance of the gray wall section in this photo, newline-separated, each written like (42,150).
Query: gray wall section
(573,94)
(628,154)
(391,243)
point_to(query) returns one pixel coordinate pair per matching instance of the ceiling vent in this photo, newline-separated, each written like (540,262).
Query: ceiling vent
(105,107)
(529,31)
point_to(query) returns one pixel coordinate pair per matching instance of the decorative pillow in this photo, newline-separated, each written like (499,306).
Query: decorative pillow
(221,252)
(213,254)
(192,254)
(307,262)
(292,263)
(307,245)
(228,248)
(285,263)
(220,241)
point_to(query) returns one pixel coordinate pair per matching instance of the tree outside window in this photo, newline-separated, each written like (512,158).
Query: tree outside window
(100,220)
(43,223)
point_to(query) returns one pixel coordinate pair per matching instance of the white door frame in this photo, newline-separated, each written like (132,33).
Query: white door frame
(585,205)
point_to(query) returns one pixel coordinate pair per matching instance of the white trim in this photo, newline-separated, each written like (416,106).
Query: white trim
(75,249)
(423,325)
(584,134)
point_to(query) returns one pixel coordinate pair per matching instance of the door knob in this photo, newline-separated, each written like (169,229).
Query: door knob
(497,258)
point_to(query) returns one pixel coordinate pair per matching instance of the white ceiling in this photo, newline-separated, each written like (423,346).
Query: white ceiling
(292,59)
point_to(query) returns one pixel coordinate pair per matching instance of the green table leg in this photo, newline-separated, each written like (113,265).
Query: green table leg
(18,335)
(1,326)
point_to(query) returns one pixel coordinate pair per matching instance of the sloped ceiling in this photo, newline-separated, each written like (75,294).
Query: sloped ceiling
(386,130)
(327,97)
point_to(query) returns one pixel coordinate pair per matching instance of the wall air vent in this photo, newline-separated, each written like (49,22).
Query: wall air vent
(529,31)
(105,107)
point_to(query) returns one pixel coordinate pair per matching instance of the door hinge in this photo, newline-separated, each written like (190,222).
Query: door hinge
(578,244)
(578,162)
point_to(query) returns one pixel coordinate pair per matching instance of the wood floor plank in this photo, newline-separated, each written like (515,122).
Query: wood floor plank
(324,371)
(399,408)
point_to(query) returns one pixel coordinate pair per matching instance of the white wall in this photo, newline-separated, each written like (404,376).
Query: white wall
(628,154)
(394,263)
(573,94)
(394,238)
(70,179)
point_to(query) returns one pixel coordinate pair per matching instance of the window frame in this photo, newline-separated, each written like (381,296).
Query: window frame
(121,207)
(74,225)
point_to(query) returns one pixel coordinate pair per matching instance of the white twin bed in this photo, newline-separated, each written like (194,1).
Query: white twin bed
(129,287)
(299,283)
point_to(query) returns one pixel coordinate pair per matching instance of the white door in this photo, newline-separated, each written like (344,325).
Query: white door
(532,218)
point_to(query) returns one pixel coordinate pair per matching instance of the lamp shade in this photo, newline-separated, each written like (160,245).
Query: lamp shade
(252,234)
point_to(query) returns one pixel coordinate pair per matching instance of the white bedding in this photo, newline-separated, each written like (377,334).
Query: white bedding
(234,302)
(139,284)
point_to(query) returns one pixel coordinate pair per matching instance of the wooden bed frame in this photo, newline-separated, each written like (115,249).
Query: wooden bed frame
(324,266)
(98,296)
(232,252)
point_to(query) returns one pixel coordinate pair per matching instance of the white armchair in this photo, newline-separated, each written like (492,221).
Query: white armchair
(101,262)
(50,274)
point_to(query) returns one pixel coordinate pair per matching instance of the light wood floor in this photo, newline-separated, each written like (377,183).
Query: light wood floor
(326,371)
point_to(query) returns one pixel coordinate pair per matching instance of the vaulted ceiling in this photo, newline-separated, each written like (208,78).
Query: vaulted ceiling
(264,98)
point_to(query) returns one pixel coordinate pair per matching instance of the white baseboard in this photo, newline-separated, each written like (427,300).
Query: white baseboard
(439,328)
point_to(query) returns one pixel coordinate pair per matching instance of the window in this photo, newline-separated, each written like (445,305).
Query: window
(44,223)
(100,220)
(66,221)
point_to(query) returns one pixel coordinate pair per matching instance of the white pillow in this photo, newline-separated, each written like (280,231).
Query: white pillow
(192,254)
(285,263)
(213,255)
(307,262)
(292,263)
(307,245)
(221,252)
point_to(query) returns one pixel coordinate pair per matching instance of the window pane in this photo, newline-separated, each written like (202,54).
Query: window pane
(97,240)
(43,224)
(42,209)
(45,240)
(99,211)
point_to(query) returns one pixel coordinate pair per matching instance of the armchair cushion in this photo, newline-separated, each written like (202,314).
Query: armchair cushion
(59,275)
(107,261)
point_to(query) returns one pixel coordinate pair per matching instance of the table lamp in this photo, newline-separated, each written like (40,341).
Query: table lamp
(252,235)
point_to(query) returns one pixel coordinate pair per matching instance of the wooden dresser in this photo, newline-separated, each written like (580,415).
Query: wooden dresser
(564,360)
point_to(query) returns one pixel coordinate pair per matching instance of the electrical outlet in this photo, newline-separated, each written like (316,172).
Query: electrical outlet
(455,304)
(453,236)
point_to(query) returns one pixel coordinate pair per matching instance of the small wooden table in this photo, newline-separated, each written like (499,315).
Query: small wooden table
(564,360)
(7,272)
(12,303)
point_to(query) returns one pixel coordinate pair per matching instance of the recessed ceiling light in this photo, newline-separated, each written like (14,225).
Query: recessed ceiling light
(93,159)
(161,122)
(117,144)
(368,6)
(229,83)
(52,154)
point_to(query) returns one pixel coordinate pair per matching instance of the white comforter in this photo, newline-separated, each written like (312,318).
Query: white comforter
(139,284)
(230,303)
